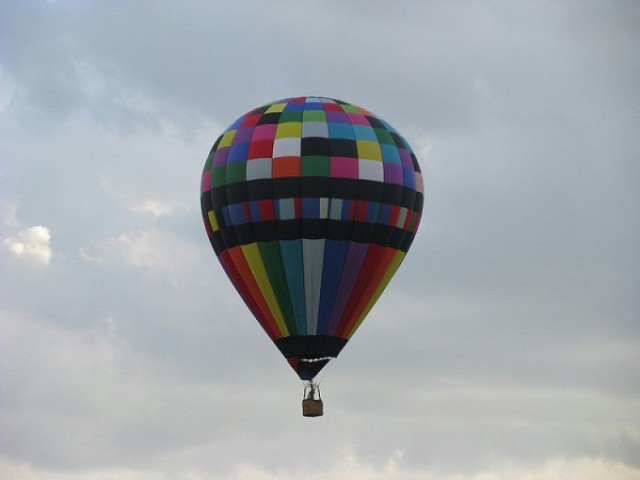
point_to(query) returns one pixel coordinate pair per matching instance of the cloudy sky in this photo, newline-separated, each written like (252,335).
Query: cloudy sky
(507,347)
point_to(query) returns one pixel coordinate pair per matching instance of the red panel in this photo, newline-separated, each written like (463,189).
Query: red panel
(260,149)
(361,210)
(251,120)
(247,211)
(393,215)
(416,222)
(332,107)
(286,167)
(267,212)
(352,210)
(297,202)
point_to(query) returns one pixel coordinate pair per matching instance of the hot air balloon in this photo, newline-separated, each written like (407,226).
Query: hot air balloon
(311,204)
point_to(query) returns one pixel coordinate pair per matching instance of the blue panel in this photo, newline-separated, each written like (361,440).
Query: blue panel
(335,252)
(310,208)
(291,251)
(226,214)
(341,130)
(297,106)
(409,177)
(254,210)
(390,154)
(238,152)
(237,214)
(363,132)
(373,209)
(346,209)
(236,124)
(313,106)
(385,212)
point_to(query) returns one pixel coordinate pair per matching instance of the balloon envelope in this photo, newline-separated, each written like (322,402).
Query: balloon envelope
(311,204)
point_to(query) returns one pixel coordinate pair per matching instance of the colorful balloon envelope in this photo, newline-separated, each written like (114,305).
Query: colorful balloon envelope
(311,204)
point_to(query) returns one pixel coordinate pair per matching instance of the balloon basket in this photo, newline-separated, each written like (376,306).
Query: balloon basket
(312,405)
(312,408)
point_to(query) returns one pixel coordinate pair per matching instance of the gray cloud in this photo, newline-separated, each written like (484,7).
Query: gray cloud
(510,334)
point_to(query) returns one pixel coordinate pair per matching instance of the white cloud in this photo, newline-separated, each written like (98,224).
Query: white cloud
(9,213)
(156,208)
(351,468)
(151,249)
(33,243)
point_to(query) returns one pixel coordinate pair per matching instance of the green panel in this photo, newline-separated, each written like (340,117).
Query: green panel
(218,176)
(384,136)
(291,116)
(207,164)
(236,172)
(315,166)
(314,116)
(350,108)
(272,259)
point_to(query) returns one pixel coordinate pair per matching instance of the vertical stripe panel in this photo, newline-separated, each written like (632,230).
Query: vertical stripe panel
(291,251)
(335,252)
(356,253)
(391,270)
(254,259)
(235,265)
(373,269)
(313,256)
(270,253)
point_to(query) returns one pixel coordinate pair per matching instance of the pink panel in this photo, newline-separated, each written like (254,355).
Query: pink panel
(264,132)
(206,181)
(344,167)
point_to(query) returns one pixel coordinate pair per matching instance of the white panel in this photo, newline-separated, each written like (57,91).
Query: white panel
(324,207)
(287,209)
(335,211)
(312,257)
(370,170)
(402,217)
(286,147)
(315,129)
(258,168)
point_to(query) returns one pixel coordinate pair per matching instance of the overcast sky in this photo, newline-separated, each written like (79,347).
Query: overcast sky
(507,346)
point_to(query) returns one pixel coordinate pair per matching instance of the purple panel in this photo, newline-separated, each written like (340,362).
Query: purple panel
(243,135)
(392,173)
(405,156)
(340,117)
(220,157)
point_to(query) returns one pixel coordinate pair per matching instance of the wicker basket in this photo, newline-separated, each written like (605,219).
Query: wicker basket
(311,408)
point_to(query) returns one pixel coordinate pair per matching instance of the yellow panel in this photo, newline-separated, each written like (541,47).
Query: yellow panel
(227,138)
(289,129)
(276,107)
(369,150)
(254,260)
(393,267)
(212,221)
